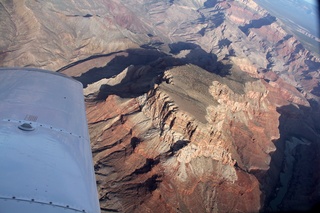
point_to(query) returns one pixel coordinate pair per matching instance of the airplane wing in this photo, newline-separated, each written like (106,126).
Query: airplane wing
(45,155)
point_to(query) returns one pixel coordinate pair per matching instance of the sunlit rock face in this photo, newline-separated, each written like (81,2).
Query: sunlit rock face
(193,106)
(164,146)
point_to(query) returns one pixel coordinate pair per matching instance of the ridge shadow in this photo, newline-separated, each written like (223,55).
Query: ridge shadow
(146,66)
(293,173)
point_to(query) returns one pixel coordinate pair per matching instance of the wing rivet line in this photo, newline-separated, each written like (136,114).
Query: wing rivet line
(30,126)
(43,203)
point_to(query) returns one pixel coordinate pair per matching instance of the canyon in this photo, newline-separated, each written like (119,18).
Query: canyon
(192,106)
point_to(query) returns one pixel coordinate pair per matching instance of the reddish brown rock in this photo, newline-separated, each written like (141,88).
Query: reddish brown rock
(155,145)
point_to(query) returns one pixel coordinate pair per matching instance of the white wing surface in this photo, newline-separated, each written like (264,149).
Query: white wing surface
(45,156)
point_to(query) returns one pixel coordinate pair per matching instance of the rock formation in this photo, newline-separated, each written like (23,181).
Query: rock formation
(193,106)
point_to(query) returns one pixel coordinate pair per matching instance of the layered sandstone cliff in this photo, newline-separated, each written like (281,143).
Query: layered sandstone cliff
(156,150)
(193,134)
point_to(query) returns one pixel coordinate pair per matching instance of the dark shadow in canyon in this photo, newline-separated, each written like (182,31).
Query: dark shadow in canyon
(211,22)
(177,146)
(210,3)
(86,59)
(134,142)
(316,90)
(293,179)
(136,57)
(149,164)
(145,67)
(269,19)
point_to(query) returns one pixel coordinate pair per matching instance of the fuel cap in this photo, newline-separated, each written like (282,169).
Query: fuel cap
(26,127)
